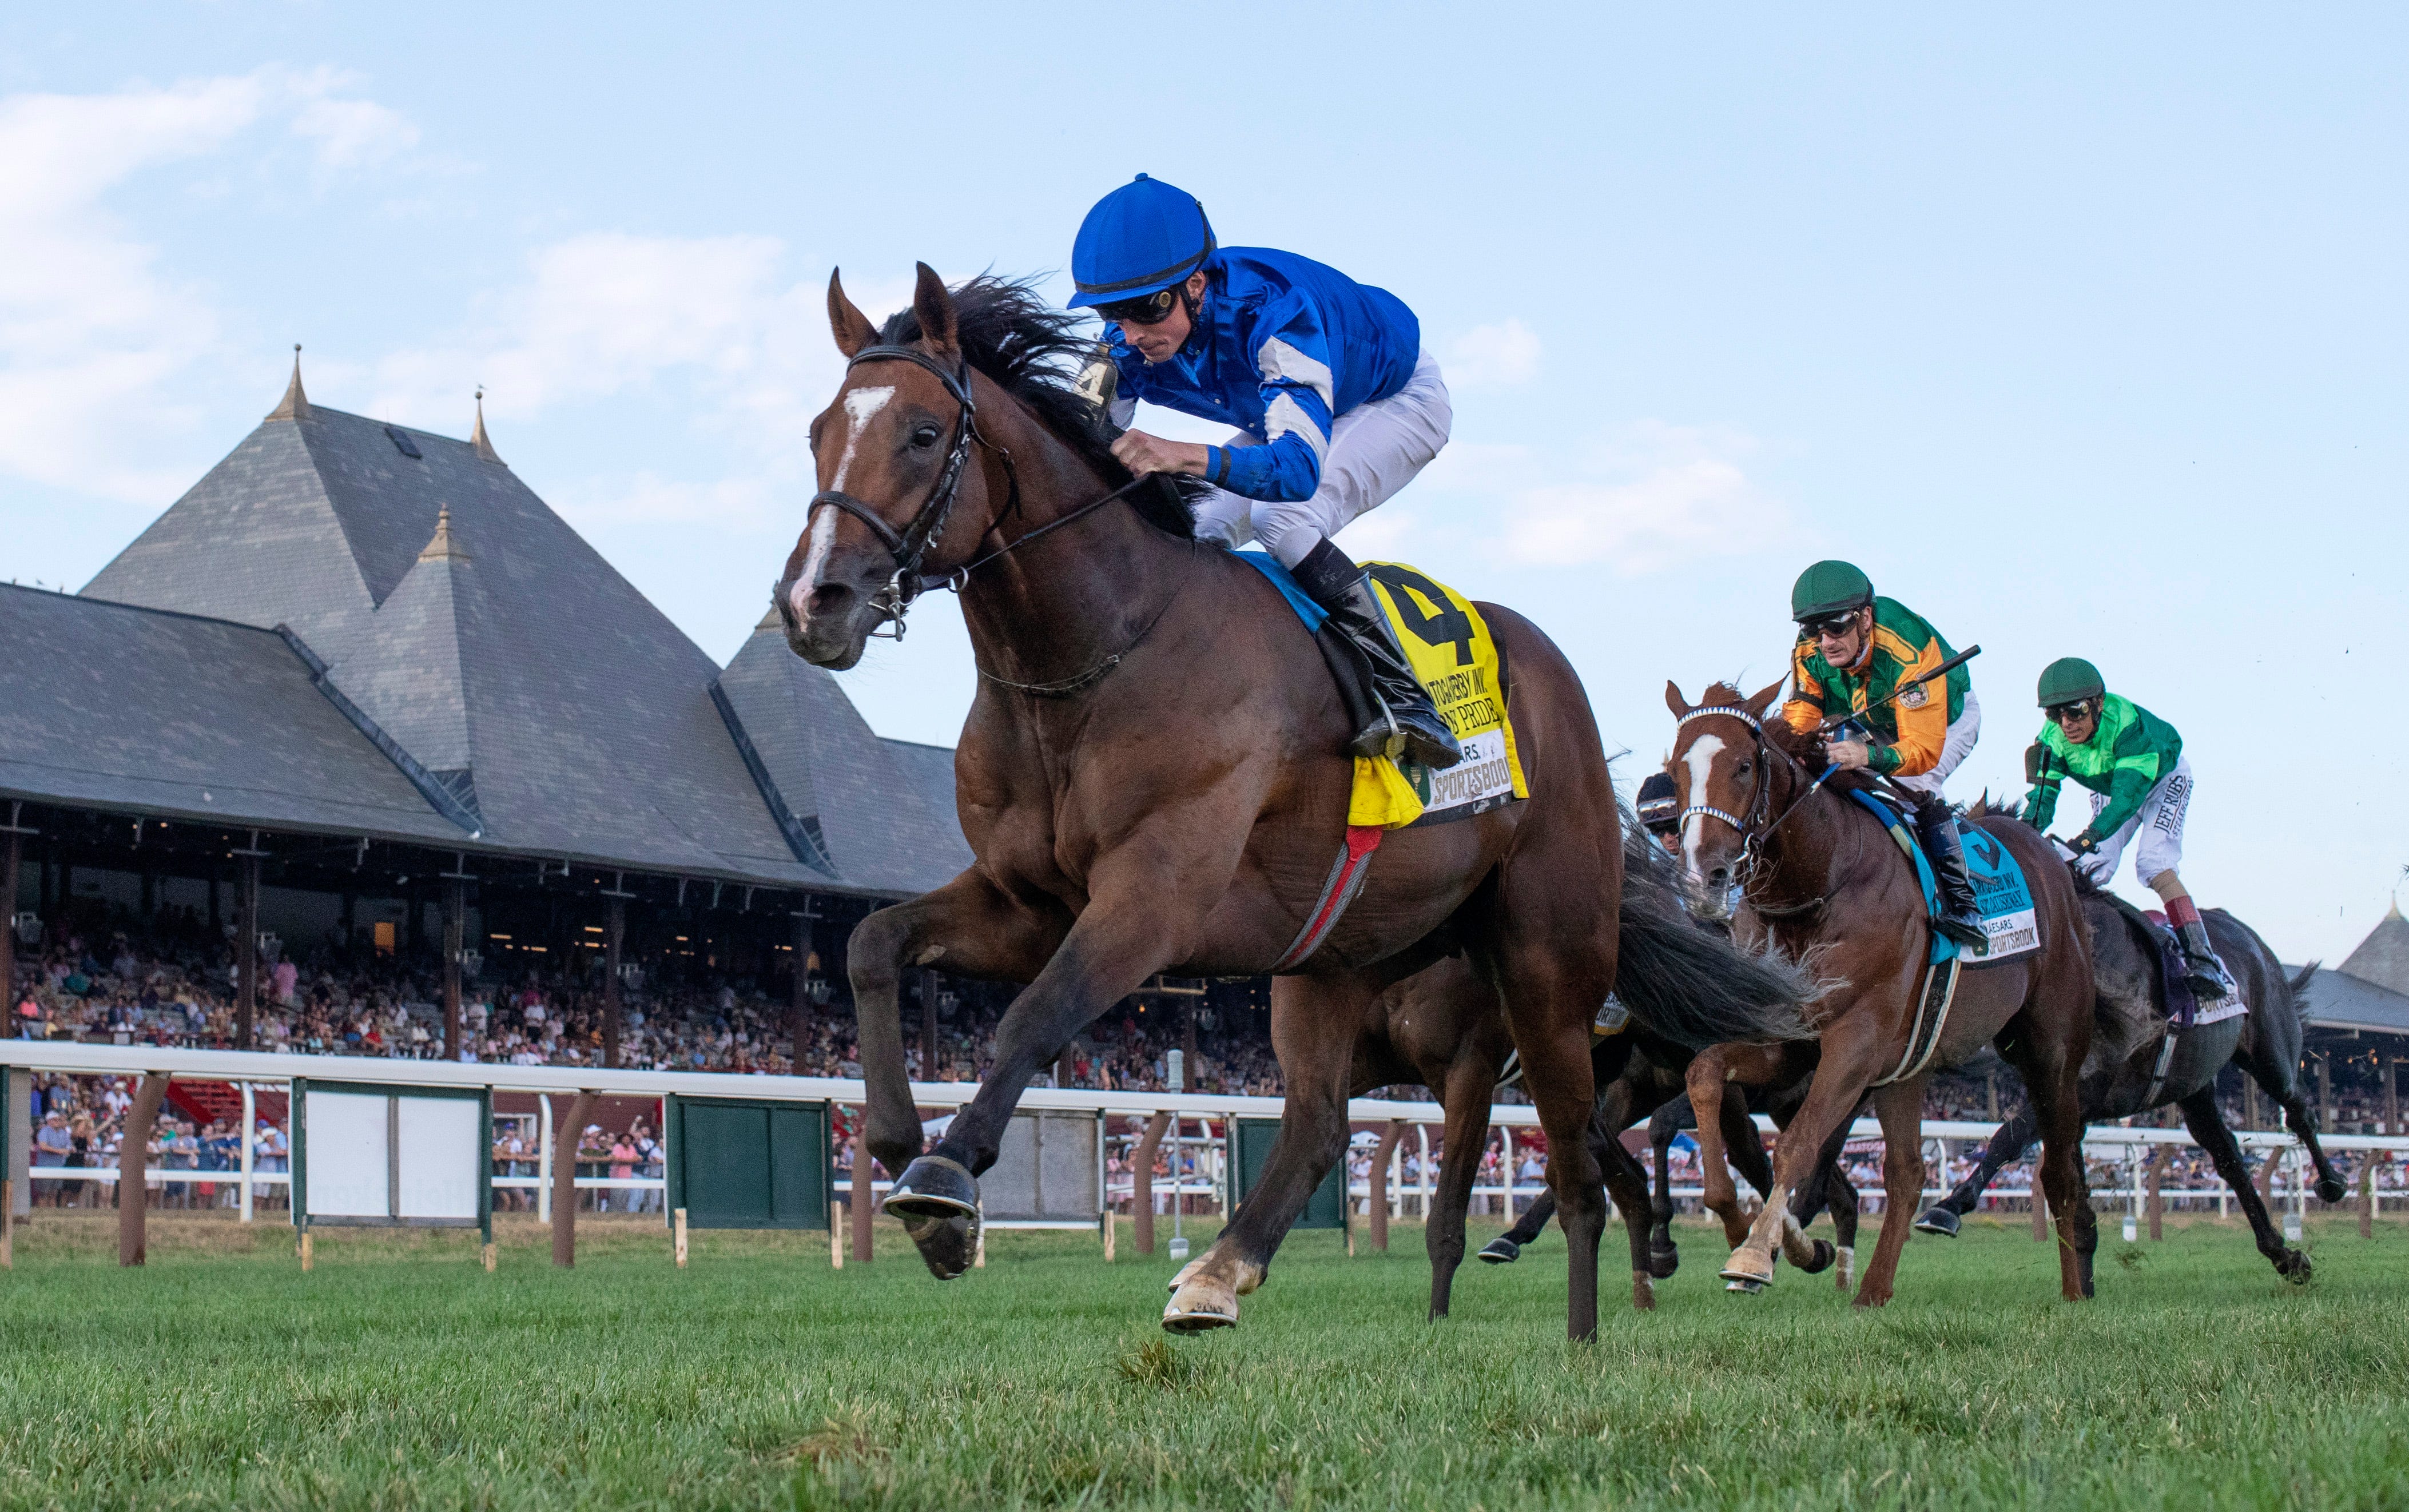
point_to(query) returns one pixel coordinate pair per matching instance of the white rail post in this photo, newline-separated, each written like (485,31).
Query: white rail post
(1505,1170)
(544,1158)
(2132,1196)
(1423,1173)
(249,1135)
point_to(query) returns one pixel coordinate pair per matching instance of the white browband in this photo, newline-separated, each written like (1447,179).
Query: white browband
(1740,715)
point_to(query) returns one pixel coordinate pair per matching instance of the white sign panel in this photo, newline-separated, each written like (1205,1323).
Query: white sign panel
(350,1165)
(441,1148)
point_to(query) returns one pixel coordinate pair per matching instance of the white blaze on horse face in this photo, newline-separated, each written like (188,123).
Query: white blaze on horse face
(1701,762)
(860,406)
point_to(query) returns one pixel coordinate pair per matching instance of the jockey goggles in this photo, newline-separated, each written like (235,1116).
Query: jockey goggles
(1824,627)
(2059,714)
(1145,309)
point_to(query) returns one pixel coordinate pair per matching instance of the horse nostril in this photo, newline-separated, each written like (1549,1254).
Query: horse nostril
(828,599)
(1719,876)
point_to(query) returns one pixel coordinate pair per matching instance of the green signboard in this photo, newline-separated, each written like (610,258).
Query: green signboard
(740,1163)
(1250,1149)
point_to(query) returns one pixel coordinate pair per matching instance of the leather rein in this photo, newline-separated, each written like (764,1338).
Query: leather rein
(908,546)
(1754,834)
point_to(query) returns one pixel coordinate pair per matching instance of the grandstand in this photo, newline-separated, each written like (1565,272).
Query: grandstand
(360,685)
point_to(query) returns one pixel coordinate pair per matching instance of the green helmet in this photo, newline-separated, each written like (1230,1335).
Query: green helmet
(2070,679)
(1830,588)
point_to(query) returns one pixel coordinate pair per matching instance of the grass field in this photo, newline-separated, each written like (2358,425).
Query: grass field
(399,1374)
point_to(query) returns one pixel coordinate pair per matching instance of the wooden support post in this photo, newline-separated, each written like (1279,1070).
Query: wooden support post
(930,1059)
(246,1007)
(799,1019)
(2325,1094)
(11,854)
(2250,1102)
(2155,1200)
(1112,1223)
(133,1167)
(455,929)
(567,1131)
(308,1258)
(2392,1097)
(836,1233)
(678,1219)
(1382,1160)
(2039,1208)
(614,1010)
(865,1172)
(490,1257)
(1142,1181)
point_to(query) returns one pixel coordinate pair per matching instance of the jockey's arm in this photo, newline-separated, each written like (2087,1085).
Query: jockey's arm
(2129,781)
(1923,724)
(1298,394)
(1804,708)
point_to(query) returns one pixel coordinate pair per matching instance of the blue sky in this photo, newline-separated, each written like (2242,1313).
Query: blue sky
(2084,333)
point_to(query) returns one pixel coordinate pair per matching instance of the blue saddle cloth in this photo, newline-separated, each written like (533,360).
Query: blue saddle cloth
(2001,894)
(1285,581)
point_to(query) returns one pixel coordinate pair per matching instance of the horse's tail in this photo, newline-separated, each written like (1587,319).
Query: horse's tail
(1689,984)
(2299,988)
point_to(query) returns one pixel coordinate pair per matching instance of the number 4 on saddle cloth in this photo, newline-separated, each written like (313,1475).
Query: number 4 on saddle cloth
(1460,666)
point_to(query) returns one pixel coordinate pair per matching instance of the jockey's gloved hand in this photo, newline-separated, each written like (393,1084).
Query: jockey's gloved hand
(2066,851)
(2084,843)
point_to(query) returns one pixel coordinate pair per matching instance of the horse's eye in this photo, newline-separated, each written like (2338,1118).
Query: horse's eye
(1742,770)
(925,435)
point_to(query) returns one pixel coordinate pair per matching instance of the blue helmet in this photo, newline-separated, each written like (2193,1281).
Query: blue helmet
(1142,238)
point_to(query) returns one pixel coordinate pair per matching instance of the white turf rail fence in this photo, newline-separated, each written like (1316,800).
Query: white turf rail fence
(1195,1116)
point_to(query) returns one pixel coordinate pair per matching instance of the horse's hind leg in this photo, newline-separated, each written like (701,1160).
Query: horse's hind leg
(1664,1256)
(968,928)
(1467,1093)
(1314,1024)
(1626,1180)
(1748,1156)
(2209,1132)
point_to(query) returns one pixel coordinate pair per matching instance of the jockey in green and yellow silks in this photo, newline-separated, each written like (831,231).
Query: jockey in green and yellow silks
(1855,652)
(2140,785)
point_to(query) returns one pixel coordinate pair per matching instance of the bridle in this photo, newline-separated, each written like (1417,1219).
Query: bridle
(908,546)
(1756,834)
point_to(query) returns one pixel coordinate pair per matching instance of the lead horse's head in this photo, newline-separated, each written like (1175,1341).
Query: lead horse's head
(1720,768)
(898,502)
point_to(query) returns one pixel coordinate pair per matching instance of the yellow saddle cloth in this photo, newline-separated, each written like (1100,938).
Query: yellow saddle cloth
(1457,660)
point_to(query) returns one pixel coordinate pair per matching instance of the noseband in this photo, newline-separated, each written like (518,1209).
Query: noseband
(908,546)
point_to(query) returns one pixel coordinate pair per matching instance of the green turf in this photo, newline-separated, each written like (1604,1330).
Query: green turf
(399,1375)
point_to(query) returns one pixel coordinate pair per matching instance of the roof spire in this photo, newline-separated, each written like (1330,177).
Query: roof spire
(477,441)
(445,548)
(296,404)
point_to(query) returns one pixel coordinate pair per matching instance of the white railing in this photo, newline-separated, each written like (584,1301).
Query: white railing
(248,1069)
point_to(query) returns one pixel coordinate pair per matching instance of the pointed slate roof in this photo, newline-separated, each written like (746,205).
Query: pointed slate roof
(495,646)
(2382,957)
(883,808)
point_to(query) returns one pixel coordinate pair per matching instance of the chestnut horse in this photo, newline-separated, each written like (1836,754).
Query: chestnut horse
(1151,780)
(1825,885)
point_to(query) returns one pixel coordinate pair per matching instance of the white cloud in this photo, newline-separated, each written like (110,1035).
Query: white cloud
(94,335)
(1491,356)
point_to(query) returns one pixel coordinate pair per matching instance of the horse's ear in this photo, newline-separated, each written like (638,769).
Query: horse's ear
(935,308)
(852,327)
(1673,699)
(1763,700)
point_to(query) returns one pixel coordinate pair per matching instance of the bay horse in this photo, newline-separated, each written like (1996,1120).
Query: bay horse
(2139,1060)
(1151,780)
(1824,883)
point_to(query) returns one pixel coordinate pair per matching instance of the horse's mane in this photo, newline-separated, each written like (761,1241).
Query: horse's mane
(1033,353)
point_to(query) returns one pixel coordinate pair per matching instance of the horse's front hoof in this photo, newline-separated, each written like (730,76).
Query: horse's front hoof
(1939,1220)
(1845,1274)
(2330,1189)
(1179,1278)
(1500,1251)
(1743,1284)
(947,1246)
(1820,1261)
(1643,1292)
(934,1187)
(2294,1267)
(1746,1271)
(1202,1304)
(1663,1263)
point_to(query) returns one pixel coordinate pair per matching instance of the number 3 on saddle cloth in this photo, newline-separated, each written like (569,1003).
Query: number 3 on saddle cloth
(1460,666)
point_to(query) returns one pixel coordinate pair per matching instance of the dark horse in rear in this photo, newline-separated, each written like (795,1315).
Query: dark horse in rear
(1151,780)
(2140,1059)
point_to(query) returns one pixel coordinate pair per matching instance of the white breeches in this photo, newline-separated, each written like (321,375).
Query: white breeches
(1375,450)
(1955,748)
(2159,822)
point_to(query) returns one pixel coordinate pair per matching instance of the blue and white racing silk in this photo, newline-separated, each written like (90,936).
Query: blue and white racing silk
(1284,345)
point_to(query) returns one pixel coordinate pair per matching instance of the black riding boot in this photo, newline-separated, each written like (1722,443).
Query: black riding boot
(1406,726)
(1936,826)
(2206,974)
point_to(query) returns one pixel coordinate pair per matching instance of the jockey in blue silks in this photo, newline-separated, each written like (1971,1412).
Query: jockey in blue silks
(1336,406)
